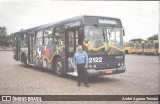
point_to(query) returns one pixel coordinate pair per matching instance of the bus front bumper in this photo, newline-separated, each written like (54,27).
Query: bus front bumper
(93,72)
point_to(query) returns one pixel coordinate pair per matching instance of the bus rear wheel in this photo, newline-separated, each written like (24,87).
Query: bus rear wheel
(59,67)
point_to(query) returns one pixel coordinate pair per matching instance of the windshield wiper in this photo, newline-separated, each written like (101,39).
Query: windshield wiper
(103,36)
(103,33)
(106,35)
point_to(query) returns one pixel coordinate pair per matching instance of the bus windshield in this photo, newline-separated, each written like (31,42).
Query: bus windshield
(100,39)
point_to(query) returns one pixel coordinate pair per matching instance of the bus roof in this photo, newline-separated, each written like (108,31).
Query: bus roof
(85,19)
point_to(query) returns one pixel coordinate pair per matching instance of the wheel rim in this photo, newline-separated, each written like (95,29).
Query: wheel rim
(59,66)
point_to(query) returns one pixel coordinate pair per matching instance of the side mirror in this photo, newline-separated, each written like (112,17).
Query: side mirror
(123,32)
(61,42)
(80,31)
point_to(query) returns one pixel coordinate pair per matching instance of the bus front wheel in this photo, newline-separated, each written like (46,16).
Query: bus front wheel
(59,67)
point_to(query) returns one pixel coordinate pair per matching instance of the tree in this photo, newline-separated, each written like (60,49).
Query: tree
(3,33)
(5,40)
(135,40)
(8,40)
(154,37)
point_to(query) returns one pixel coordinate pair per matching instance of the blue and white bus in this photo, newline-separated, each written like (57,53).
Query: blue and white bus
(52,46)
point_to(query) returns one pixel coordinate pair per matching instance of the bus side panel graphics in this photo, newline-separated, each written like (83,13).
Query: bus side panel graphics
(43,56)
(71,63)
(56,51)
(37,56)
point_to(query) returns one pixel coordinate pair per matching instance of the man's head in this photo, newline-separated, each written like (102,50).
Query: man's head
(80,48)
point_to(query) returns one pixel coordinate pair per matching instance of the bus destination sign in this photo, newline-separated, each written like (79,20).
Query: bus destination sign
(73,24)
(103,21)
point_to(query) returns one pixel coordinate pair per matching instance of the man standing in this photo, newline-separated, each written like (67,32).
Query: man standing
(81,63)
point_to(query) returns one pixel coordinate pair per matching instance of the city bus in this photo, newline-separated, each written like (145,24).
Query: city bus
(52,46)
(128,47)
(151,47)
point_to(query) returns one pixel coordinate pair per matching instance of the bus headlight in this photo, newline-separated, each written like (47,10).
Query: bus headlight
(119,64)
(122,64)
(94,66)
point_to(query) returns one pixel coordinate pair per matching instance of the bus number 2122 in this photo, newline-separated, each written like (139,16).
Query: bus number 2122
(95,59)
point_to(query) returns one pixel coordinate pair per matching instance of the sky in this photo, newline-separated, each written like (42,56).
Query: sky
(139,18)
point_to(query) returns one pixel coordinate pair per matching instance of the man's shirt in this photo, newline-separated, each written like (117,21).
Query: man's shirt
(80,57)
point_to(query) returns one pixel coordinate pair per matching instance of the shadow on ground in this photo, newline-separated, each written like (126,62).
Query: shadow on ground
(99,79)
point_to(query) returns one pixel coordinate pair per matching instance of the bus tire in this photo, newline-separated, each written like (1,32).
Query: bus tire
(24,60)
(59,67)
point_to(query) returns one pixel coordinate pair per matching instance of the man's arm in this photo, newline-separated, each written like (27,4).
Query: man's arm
(86,66)
(74,62)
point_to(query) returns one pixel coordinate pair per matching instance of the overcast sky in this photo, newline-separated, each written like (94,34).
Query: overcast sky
(139,18)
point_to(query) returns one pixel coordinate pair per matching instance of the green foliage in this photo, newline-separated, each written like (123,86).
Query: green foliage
(135,40)
(5,40)
(3,31)
(154,37)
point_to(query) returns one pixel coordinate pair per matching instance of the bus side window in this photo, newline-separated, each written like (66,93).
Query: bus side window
(39,37)
(24,40)
(59,36)
(48,36)
(71,41)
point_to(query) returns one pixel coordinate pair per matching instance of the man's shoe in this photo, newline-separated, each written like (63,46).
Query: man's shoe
(78,84)
(87,85)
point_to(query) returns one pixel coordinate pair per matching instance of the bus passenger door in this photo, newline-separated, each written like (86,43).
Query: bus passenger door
(18,45)
(73,38)
(30,48)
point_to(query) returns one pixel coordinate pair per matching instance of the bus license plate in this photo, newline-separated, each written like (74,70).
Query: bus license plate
(109,71)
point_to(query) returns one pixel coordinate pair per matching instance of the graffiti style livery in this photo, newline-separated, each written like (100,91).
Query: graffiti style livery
(52,46)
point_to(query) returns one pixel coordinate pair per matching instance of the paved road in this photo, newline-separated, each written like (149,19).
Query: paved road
(140,78)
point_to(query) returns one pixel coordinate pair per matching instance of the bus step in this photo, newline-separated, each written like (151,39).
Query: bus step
(73,73)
